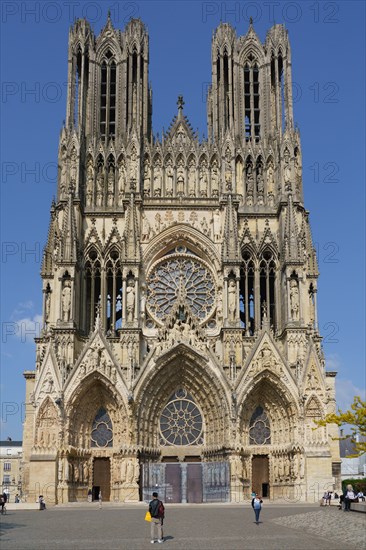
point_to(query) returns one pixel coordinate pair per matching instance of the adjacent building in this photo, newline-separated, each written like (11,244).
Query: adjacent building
(11,468)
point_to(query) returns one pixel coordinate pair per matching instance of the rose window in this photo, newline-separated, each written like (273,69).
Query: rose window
(183,276)
(102,434)
(259,431)
(181,421)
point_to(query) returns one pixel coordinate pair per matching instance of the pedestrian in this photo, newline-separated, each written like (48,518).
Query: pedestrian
(17,499)
(257,507)
(42,503)
(349,496)
(90,495)
(157,511)
(100,499)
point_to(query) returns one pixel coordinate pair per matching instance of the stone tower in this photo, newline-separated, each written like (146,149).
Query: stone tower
(180,345)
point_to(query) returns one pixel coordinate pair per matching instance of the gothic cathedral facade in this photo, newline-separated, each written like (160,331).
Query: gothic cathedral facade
(180,345)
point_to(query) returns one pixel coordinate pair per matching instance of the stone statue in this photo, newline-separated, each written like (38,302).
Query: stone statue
(110,186)
(123,470)
(249,178)
(214,179)
(232,300)
(133,170)
(73,168)
(298,171)
(270,178)
(180,178)
(169,178)
(63,172)
(203,181)
(192,179)
(204,226)
(294,300)
(89,183)
(130,474)
(217,226)
(260,182)
(146,228)
(47,306)
(66,301)
(157,179)
(130,301)
(287,170)
(121,179)
(147,178)
(100,185)
(157,223)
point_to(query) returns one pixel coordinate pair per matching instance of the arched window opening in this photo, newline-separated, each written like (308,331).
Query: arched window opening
(251,100)
(181,422)
(108,82)
(281,81)
(246,294)
(77,102)
(93,287)
(260,429)
(226,90)
(102,430)
(267,279)
(114,293)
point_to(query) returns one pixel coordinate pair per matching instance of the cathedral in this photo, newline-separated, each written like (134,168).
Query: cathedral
(179,349)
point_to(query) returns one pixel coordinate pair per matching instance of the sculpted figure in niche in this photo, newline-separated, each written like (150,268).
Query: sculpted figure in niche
(249,178)
(100,181)
(133,170)
(89,183)
(294,300)
(110,186)
(180,178)
(203,180)
(157,179)
(63,172)
(216,225)
(192,179)
(169,178)
(130,301)
(287,170)
(204,226)
(73,169)
(260,182)
(121,180)
(232,300)
(146,228)
(130,472)
(147,178)
(66,301)
(157,223)
(214,179)
(123,470)
(270,177)
(298,171)
(47,305)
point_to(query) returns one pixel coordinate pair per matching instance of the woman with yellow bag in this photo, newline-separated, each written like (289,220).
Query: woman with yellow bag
(156,516)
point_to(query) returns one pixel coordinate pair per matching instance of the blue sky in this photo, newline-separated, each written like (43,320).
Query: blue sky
(328,56)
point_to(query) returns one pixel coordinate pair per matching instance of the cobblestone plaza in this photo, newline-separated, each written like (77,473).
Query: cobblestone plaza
(227,527)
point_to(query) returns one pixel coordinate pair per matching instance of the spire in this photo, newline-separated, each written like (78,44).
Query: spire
(230,247)
(131,235)
(69,233)
(291,237)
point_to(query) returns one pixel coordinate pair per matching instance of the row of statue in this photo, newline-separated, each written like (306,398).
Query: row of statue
(108,181)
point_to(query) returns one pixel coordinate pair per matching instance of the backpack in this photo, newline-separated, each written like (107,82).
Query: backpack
(161,510)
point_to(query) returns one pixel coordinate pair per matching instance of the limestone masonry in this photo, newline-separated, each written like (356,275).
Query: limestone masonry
(180,346)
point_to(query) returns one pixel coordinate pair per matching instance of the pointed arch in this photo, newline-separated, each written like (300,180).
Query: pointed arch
(47,424)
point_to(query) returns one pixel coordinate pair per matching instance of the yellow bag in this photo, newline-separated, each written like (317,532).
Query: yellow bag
(148,516)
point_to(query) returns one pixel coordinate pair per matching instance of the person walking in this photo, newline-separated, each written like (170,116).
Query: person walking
(349,496)
(257,507)
(100,499)
(157,510)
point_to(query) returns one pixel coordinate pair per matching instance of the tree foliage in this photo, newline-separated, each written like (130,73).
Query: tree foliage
(355,419)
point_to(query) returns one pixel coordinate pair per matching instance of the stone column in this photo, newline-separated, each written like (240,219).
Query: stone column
(183,469)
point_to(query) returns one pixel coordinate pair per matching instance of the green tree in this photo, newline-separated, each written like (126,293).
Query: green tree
(355,419)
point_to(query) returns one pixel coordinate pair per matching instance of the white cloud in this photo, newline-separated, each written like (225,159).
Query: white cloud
(333,362)
(345,392)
